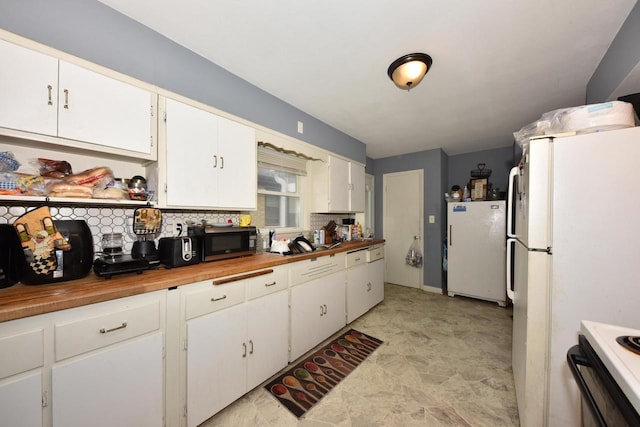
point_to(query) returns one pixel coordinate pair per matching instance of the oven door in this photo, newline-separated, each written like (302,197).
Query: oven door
(603,402)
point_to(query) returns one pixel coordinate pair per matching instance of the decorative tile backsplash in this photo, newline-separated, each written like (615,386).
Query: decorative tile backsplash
(102,220)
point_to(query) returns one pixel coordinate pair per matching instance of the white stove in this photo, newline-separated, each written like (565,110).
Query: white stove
(622,363)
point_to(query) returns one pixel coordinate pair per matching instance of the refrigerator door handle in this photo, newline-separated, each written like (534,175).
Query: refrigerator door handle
(512,177)
(450,235)
(510,244)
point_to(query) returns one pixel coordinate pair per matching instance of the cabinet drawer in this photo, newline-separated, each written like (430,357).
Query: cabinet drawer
(88,334)
(267,284)
(356,258)
(304,271)
(209,298)
(21,352)
(375,253)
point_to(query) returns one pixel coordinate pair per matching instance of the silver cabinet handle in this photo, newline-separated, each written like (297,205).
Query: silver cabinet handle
(221,162)
(49,89)
(325,308)
(244,347)
(270,284)
(251,344)
(219,299)
(66,99)
(321,311)
(369,287)
(106,331)
(215,161)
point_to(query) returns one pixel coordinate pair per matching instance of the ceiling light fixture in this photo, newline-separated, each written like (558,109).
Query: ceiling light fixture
(409,70)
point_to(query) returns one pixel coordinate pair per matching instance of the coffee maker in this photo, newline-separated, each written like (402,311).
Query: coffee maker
(147,222)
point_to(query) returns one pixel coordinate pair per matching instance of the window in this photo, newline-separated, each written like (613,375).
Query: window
(279,198)
(280,183)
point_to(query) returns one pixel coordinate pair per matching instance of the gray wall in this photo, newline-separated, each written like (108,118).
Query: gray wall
(433,162)
(499,160)
(92,31)
(621,58)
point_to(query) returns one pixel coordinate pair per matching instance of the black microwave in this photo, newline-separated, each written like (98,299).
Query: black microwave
(221,241)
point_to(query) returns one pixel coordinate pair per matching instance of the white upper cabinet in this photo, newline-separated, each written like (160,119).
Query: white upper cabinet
(337,186)
(104,111)
(356,187)
(46,99)
(28,90)
(210,160)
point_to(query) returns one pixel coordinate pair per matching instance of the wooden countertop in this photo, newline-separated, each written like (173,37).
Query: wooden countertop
(22,300)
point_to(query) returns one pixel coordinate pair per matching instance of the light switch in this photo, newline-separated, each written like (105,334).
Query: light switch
(432,219)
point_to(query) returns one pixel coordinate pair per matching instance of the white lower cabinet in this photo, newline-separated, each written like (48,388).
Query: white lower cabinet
(21,388)
(317,311)
(238,344)
(365,281)
(120,386)
(108,364)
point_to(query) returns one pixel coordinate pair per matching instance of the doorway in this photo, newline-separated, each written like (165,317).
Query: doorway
(402,219)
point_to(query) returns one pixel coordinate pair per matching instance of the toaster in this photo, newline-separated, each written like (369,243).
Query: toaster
(178,251)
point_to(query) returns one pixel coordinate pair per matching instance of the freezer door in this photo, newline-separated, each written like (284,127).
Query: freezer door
(530,332)
(477,252)
(530,196)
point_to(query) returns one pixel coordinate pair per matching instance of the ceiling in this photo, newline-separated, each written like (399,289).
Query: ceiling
(497,64)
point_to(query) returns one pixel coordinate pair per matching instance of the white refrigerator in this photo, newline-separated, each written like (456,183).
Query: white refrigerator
(476,250)
(573,253)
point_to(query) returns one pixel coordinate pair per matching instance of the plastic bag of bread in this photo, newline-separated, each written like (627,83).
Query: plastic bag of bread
(67,189)
(96,177)
(110,193)
(53,168)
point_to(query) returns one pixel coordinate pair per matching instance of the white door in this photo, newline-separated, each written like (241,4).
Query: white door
(402,221)
(238,179)
(101,110)
(216,362)
(268,336)
(29,90)
(120,386)
(192,143)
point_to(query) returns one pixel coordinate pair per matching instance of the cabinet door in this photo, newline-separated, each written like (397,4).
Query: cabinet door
(307,311)
(356,188)
(216,362)
(338,185)
(21,401)
(267,336)
(104,111)
(317,311)
(192,159)
(28,90)
(120,386)
(334,298)
(237,185)
(357,291)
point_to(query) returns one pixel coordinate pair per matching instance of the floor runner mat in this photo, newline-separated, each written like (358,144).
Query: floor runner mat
(300,387)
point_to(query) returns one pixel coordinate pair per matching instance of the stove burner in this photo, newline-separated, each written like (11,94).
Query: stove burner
(630,343)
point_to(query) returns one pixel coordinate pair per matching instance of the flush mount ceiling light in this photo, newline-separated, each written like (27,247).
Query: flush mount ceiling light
(409,70)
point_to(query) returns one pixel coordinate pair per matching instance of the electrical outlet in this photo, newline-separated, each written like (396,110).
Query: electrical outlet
(300,127)
(432,219)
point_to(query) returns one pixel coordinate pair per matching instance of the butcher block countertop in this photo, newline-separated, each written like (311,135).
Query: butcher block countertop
(22,300)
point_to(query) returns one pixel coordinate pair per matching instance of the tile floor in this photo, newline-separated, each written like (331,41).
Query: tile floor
(445,362)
